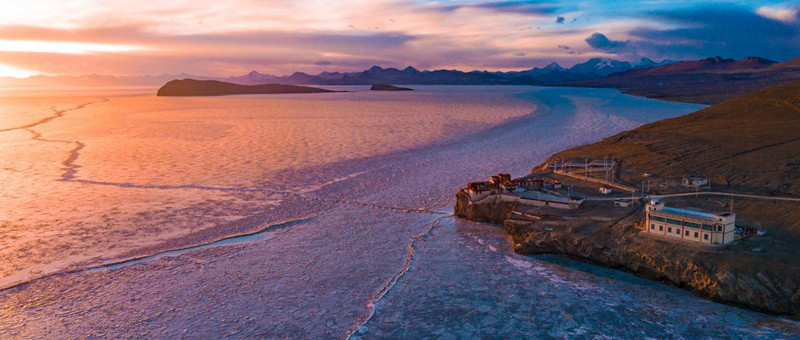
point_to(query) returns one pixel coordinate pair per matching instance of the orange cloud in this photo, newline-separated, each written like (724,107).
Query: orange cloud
(213,37)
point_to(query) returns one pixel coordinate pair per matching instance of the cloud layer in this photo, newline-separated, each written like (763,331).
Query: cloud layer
(128,37)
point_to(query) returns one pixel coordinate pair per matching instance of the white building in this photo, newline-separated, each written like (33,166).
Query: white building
(690,225)
(605,191)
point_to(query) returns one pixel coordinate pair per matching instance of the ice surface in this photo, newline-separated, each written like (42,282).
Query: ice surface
(379,258)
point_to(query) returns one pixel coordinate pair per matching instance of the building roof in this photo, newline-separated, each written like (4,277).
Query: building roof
(538,195)
(690,213)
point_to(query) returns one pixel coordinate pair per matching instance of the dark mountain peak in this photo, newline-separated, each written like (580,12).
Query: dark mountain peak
(552,67)
(644,61)
(410,69)
(717,60)
(601,66)
(760,60)
(375,68)
(594,61)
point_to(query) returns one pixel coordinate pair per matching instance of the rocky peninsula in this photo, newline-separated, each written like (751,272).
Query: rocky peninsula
(746,145)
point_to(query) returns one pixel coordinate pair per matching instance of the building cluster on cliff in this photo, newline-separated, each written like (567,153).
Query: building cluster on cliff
(526,190)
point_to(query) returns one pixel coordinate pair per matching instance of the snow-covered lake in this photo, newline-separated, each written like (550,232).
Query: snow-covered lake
(308,216)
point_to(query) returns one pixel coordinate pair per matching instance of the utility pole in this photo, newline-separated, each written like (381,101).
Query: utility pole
(585,167)
(612,173)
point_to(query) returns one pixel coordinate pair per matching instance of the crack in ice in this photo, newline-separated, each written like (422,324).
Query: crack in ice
(56,114)
(175,187)
(228,240)
(378,206)
(359,326)
(70,168)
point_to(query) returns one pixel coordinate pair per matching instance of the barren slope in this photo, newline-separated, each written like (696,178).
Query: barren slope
(750,143)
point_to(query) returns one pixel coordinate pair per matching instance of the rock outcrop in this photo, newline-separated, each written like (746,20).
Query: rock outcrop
(732,274)
(387,87)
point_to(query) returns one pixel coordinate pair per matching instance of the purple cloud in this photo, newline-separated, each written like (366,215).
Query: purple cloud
(725,30)
(600,42)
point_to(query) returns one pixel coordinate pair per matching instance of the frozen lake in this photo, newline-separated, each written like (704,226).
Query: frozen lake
(308,216)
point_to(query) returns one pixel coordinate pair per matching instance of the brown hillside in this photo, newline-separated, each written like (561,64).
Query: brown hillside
(747,144)
(705,65)
(792,63)
(707,81)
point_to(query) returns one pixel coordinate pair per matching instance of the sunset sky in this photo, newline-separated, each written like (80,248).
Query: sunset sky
(213,37)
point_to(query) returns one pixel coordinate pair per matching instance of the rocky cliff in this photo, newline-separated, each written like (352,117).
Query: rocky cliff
(732,274)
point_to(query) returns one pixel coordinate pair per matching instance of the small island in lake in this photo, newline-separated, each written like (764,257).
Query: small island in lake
(192,87)
(387,87)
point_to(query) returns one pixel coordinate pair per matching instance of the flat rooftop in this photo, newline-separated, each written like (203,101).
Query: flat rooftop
(690,213)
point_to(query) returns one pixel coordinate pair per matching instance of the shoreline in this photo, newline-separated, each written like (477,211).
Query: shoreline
(619,246)
(739,274)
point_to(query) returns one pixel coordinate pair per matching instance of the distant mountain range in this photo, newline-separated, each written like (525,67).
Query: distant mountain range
(706,81)
(554,73)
